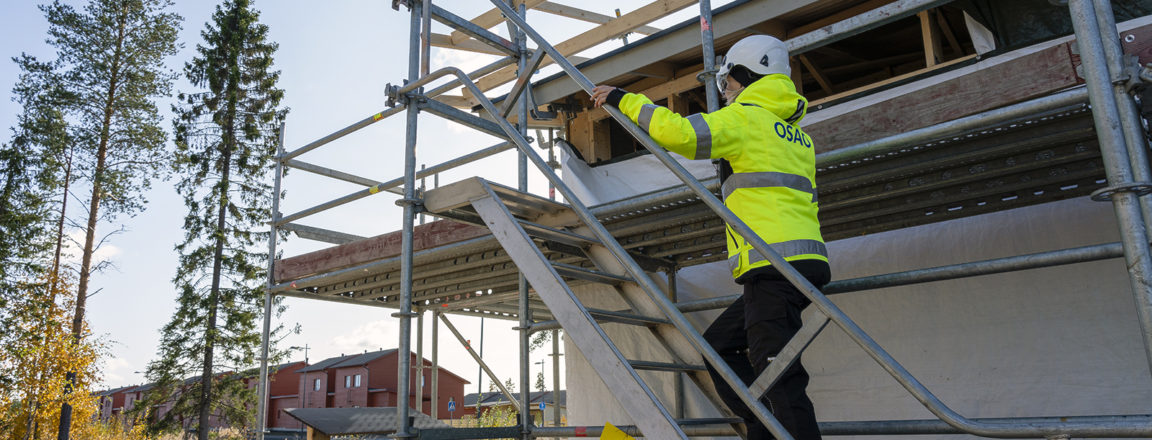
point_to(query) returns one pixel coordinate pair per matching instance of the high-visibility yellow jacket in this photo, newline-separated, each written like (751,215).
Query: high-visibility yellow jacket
(773,185)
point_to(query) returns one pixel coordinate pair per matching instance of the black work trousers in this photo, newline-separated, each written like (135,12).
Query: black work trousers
(755,328)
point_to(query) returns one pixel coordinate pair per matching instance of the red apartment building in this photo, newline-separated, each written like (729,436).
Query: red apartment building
(370,380)
(359,380)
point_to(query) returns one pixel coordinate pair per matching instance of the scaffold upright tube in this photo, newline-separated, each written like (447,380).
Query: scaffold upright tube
(1134,135)
(1109,129)
(821,302)
(404,349)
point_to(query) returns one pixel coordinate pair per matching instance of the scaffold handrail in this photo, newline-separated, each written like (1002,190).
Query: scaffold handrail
(819,300)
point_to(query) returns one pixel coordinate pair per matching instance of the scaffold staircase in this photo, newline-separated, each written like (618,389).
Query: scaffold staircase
(530,228)
(557,246)
(522,222)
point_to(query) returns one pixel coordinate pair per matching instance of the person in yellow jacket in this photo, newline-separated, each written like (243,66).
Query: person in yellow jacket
(768,175)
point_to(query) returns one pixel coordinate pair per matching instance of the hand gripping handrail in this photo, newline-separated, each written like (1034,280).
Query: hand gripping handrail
(821,302)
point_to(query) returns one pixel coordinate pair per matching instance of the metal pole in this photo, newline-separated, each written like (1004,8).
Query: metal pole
(555,378)
(420,361)
(479,374)
(435,365)
(422,191)
(522,185)
(1130,119)
(1116,166)
(426,37)
(708,77)
(403,429)
(678,386)
(480,360)
(262,392)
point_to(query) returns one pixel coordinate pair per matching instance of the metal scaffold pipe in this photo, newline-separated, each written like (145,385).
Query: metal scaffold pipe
(265,334)
(708,77)
(821,302)
(388,186)
(1134,134)
(409,203)
(525,68)
(342,132)
(1109,128)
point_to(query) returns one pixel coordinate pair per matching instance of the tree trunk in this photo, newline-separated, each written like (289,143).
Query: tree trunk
(93,217)
(214,298)
(60,229)
(229,142)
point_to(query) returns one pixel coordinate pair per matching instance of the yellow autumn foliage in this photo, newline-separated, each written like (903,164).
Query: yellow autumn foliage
(35,364)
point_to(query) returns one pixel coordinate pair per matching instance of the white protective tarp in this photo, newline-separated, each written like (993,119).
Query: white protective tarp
(1060,341)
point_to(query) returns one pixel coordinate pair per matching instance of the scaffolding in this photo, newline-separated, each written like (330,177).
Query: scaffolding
(557,245)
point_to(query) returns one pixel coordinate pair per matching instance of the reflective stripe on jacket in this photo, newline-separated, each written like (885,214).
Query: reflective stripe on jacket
(773,185)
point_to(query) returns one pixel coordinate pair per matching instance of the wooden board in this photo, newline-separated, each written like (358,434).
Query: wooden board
(426,236)
(1029,76)
(985,89)
(626,23)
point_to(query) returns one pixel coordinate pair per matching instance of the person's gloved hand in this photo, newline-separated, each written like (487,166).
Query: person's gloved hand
(607,95)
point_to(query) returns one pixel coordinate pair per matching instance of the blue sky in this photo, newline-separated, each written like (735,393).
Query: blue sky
(336,58)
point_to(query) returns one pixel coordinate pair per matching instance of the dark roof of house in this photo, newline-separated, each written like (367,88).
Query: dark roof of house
(271,368)
(350,421)
(325,364)
(354,360)
(362,359)
(114,391)
(497,398)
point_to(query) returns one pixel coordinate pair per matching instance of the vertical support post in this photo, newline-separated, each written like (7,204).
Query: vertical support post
(403,430)
(678,385)
(711,93)
(1129,115)
(262,391)
(435,365)
(552,162)
(426,38)
(422,190)
(1119,171)
(555,377)
(420,361)
(522,185)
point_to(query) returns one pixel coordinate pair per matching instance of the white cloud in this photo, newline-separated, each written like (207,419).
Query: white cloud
(72,253)
(117,371)
(368,337)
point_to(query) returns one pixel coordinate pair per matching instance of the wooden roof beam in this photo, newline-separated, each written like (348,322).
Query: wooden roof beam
(588,16)
(627,23)
(489,19)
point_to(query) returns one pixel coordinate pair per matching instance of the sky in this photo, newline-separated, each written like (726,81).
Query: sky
(335,58)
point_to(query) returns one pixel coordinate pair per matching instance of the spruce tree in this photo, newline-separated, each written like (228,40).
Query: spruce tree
(225,147)
(110,59)
(30,178)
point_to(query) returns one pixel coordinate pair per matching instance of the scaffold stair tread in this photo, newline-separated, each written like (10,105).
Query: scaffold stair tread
(557,235)
(626,318)
(589,274)
(664,366)
(709,421)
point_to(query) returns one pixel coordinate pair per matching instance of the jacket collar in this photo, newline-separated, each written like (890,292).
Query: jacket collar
(777,94)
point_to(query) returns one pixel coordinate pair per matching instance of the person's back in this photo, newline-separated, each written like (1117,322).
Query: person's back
(768,176)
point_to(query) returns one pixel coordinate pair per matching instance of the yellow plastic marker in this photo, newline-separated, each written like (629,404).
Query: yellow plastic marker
(614,433)
(377,117)
(374,189)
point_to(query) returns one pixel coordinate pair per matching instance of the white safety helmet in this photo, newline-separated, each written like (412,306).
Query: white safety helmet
(762,54)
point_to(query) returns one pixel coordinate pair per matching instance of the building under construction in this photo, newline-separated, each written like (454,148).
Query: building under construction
(974,159)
